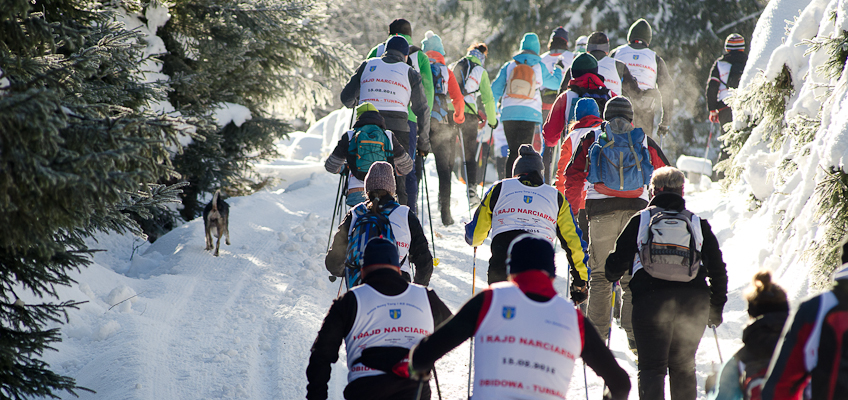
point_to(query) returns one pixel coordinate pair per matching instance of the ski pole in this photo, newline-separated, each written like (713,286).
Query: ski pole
(465,165)
(333,220)
(585,380)
(471,347)
(612,311)
(436,377)
(715,335)
(710,139)
(420,390)
(486,162)
(429,215)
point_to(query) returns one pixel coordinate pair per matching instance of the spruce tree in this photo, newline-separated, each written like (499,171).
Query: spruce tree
(77,146)
(266,55)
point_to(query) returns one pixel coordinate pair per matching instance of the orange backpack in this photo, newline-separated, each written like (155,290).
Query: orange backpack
(522,82)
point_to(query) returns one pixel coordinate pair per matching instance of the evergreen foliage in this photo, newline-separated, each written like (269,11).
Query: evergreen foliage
(260,54)
(832,193)
(77,146)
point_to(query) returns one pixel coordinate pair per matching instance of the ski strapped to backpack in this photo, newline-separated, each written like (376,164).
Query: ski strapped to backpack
(367,145)
(620,164)
(368,225)
(522,82)
(670,244)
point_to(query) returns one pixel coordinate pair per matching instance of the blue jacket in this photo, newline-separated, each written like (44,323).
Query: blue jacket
(523,113)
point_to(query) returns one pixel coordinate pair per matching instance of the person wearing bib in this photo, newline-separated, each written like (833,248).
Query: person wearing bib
(557,56)
(656,88)
(724,76)
(379,322)
(410,239)
(525,204)
(669,316)
(526,337)
(617,77)
(394,88)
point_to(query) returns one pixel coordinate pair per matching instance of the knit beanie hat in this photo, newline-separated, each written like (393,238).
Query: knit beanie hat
(530,252)
(363,108)
(640,30)
(400,26)
(398,43)
(479,54)
(432,42)
(765,296)
(380,251)
(598,41)
(530,42)
(528,161)
(734,41)
(586,106)
(381,175)
(559,37)
(618,106)
(584,64)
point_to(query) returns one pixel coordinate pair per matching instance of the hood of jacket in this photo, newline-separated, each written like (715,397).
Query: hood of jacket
(589,121)
(735,57)
(436,56)
(527,57)
(588,81)
(392,56)
(669,201)
(370,118)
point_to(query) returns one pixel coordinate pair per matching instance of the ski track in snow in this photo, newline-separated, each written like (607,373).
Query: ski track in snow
(241,325)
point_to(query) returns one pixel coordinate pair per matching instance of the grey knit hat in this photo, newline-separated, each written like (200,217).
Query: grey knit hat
(598,41)
(381,175)
(618,106)
(528,161)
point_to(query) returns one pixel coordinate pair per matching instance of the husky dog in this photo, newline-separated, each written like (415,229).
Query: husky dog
(215,216)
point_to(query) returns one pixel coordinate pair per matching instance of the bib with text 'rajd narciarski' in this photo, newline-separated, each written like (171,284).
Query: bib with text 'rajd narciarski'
(385,85)
(526,208)
(525,349)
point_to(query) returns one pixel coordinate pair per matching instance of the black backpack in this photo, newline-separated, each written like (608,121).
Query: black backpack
(461,70)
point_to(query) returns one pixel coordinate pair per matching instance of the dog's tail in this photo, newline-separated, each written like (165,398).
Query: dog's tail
(215,200)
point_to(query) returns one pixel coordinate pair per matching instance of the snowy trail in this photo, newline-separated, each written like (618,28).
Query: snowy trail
(241,325)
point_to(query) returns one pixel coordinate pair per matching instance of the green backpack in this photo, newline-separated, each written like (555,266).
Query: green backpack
(368,145)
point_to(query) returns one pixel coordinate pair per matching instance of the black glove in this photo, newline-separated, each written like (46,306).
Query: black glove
(662,130)
(579,291)
(495,126)
(715,316)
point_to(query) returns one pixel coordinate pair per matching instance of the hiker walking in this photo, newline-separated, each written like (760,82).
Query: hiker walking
(616,75)
(518,86)
(473,83)
(810,356)
(369,141)
(526,337)
(743,375)
(651,73)
(669,252)
(379,322)
(522,204)
(448,103)
(725,75)
(557,56)
(612,195)
(587,83)
(392,220)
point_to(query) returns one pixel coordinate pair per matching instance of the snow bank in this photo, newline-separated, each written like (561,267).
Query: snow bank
(230,112)
(769,34)
(331,128)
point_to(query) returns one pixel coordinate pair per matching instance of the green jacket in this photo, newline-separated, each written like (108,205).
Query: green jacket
(417,59)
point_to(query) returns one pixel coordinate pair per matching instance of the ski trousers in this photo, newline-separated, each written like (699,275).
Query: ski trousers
(411,177)
(469,141)
(443,141)
(668,325)
(517,133)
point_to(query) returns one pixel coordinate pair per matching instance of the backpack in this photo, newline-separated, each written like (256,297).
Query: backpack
(619,164)
(368,225)
(601,96)
(461,70)
(521,83)
(752,377)
(670,244)
(369,144)
(440,91)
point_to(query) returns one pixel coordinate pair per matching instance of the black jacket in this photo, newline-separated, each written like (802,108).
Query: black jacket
(737,60)
(419,249)
(401,160)
(397,121)
(338,323)
(620,261)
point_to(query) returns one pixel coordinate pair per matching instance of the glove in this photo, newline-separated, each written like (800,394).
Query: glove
(662,130)
(404,369)
(714,116)
(495,126)
(579,291)
(423,153)
(482,119)
(459,119)
(715,316)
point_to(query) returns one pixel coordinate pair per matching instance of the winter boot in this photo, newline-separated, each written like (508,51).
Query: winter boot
(473,198)
(444,209)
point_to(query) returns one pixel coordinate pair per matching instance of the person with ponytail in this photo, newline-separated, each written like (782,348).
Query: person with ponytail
(405,227)
(743,375)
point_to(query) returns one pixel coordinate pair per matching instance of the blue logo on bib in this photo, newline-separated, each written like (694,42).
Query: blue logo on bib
(395,314)
(508,312)
(635,57)
(528,199)
(372,68)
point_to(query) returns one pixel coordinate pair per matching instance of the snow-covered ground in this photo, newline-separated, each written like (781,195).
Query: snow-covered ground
(194,326)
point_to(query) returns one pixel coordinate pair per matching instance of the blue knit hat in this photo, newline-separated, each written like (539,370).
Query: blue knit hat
(586,106)
(530,42)
(432,42)
(529,252)
(379,251)
(398,43)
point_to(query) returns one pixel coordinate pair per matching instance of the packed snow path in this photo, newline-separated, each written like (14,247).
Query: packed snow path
(241,325)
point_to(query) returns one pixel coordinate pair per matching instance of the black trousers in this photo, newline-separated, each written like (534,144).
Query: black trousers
(400,181)
(668,325)
(499,247)
(469,143)
(517,133)
(443,143)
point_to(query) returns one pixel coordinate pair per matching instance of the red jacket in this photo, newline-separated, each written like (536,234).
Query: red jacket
(453,89)
(589,121)
(556,122)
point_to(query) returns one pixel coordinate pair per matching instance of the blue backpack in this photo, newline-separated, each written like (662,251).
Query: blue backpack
(369,144)
(368,225)
(619,164)
(440,92)
(601,96)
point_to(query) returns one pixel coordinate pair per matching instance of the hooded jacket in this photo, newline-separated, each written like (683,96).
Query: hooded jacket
(527,110)
(455,94)
(561,110)
(417,58)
